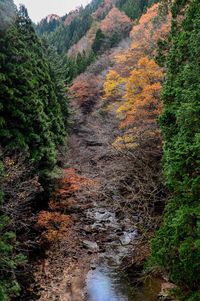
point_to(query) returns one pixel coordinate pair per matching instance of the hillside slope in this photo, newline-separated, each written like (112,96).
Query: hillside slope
(99,197)
(71,28)
(33,126)
(116,153)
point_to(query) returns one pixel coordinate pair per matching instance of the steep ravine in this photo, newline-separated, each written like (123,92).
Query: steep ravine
(87,263)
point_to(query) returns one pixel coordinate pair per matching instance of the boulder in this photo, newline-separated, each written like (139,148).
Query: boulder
(90,245)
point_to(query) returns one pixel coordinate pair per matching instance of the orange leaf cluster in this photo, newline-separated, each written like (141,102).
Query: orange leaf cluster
(54,224)
(144,37)
(134,82)
(146,34)
(142,93)
(73,182)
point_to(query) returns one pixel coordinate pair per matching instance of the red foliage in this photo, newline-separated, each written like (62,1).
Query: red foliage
(84,87)
(54,224)
(73,182)
(103,9)
(115,22)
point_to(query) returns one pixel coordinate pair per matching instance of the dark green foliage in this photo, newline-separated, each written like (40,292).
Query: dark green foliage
(103,42)
(66,36)
(177,6)
(135,8)
(176,246)
(33,120)
(7,13)
(71,70)
(78,65)
(46,27)
(58,72)
(82,61)
(31,116)
(63,37)
(99,41)
(9,261)
(115,39)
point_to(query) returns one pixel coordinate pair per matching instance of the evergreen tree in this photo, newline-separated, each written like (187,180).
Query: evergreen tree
(115,39)
(33,118)
(99,41)
(135,8)
(31,113)
(7,13)
(65,36)
(71,68)
(176,246)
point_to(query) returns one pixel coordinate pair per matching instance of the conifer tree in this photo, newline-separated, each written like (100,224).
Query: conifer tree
(31,100)
(99,41)
(176,246)
(33,118)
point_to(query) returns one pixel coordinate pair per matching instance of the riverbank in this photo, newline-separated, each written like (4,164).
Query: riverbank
(108,229)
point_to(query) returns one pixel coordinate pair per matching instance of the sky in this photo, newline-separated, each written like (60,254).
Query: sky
(39,9)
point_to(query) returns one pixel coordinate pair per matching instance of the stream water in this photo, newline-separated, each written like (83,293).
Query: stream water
(106,281)
(107,284)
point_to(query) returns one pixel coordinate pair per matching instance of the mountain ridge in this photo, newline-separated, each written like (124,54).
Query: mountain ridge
(67,31)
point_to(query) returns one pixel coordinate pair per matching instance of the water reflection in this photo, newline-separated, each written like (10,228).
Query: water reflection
(102,288)
(107,284)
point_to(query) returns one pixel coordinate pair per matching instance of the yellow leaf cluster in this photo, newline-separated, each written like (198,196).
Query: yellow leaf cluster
(126,141)
(134,83)
(111,85)
(142,88)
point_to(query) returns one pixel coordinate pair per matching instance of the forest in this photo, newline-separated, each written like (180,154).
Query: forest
(100,152)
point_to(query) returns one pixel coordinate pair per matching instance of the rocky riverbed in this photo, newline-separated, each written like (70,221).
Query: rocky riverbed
(89,262)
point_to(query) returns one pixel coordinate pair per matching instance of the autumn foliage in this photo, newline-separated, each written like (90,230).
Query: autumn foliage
(134,83)
(112,84)
(116,21)
(102,10)
(85,87)
(152,26)
(55,222)
(131,89)
(73,182)
(141,106)
(141,100)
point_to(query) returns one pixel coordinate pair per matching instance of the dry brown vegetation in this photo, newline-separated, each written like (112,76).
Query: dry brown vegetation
(98,171)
